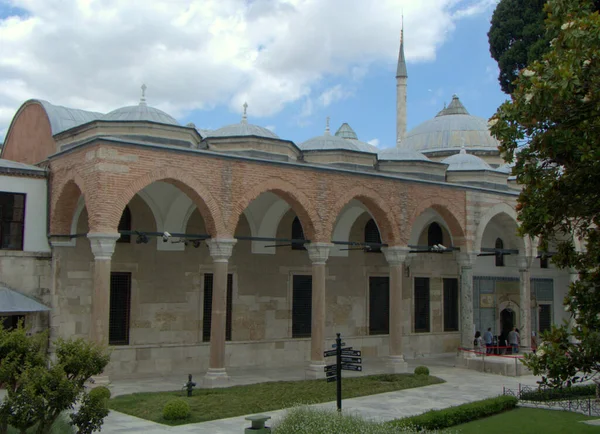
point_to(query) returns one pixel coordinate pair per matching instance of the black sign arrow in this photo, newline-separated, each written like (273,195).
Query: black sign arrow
(329,353)
(331,373)
(351,353)
(349,359)
(336,345)
(331,379)
(348,367)
(329,368)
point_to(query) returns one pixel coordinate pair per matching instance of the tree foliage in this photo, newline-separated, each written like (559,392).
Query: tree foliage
(38,391)
(551,130)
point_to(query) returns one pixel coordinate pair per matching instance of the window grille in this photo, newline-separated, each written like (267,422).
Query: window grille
(207,317)
(125,225)
(297,234)
(422,305)
(301,306)
(12,220)
(450,305)
(379,305)
(120,308)
(434,235)
(499,257)
(372,235)
(545,317)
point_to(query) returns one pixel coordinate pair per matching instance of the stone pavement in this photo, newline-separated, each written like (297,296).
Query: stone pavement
(461,386)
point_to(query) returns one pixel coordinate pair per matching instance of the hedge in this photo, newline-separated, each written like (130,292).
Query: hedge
(452,416)
(559,394)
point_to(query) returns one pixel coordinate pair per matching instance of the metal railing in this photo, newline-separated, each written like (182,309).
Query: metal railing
(568,399)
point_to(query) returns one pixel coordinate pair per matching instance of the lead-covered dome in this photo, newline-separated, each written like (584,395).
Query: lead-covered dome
(463,162)
(345,139)
(242,129)
(452,129)
(400,154)
(140,112)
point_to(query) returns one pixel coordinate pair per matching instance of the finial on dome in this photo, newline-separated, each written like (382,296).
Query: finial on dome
(455,96)
(327,132)
(463,149)
(143,98)
(245,115)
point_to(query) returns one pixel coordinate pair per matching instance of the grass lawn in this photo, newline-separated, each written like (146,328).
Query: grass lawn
(529,420)
(211,404)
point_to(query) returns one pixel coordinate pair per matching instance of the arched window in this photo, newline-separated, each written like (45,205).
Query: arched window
(372,236)
(297,234)
(499,256)
(125,225)
(434,234)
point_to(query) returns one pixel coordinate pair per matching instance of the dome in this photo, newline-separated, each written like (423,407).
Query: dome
(465,162)
(345,139)
(400,154)
(242,129)
(452,128)
(140,112)
(506,168)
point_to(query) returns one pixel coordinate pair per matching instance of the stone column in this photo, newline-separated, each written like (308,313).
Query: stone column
(318,254)
(467,325)
(220,251)
(524,263)
(396,257)
(103,246)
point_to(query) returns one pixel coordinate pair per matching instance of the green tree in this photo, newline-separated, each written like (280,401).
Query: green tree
(551,130)
(38,391)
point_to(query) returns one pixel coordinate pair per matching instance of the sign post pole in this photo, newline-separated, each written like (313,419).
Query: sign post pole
(338,362)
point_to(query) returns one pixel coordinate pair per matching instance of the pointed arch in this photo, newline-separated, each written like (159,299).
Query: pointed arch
(452,217)
(64,204)
(494,212)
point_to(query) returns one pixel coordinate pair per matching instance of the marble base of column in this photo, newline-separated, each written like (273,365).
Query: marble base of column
(216,377)
(397,365)
(315,370)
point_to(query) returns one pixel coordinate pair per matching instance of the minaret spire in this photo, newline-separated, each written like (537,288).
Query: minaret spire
(401,87)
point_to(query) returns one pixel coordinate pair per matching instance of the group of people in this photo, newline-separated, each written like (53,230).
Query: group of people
(487,344)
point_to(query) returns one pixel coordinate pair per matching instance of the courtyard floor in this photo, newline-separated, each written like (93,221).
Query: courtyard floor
(461,386)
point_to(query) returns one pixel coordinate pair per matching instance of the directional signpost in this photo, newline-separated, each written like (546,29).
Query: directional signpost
(346,359)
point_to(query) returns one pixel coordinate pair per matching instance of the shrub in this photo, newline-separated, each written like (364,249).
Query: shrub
(100,392)
(421,370)
(176,409)
(304,420)
(440,419)
(558,394)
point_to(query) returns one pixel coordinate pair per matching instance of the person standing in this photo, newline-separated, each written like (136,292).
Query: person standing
(513,340)
(488,338)
(478,342)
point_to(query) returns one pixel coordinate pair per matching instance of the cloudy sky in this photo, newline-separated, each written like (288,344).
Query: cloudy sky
(294,61)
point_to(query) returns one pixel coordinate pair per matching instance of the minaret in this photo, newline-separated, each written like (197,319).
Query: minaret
(401,78)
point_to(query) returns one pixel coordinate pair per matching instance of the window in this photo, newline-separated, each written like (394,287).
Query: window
(450,305)
(545,317)
(12,220)
(372,236)
(125,225)
(499,255)
(434,234)
(297,234)
(301,306)
(543,261)
(10,322)
(422,305)
(120,308)
(208,298)
(379,305)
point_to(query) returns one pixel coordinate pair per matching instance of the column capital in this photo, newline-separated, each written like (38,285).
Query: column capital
(221,248)
(318,252)
(524,262)
(466,260)
(395,255)
(103,244)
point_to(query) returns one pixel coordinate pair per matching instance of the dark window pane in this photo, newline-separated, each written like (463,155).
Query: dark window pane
(207,317)
(297,234)
(421,304)
(125,225)
(10,322)
(12,220)
(543,261)
(434,234)
(372,236)
(499,258)
(301,306)
(120,308)
(450,305)
(379,305)
(545,317)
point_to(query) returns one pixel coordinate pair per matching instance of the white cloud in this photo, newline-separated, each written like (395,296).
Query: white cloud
(374,142)
(198,54)
(333,94)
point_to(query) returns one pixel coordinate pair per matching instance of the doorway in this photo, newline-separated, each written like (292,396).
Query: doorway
(507,322)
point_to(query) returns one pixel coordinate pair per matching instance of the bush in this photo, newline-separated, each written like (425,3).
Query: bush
(100,392)
(421,370)
(176,409)
(61,425)
(558,394)
(304,420)
(440,419)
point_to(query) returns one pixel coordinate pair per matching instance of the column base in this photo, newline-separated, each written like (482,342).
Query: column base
(397,365)
(315,370)
(215,377)
(99,380)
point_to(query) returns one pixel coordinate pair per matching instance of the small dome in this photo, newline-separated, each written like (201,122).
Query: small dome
(327,142)
(346,132)
(452,128)
(401,154)
(465,162)
(140,112)
(243,129)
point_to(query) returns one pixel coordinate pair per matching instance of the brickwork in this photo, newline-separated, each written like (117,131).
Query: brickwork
(222,188)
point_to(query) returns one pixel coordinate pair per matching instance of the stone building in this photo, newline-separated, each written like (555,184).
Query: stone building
(192,250)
